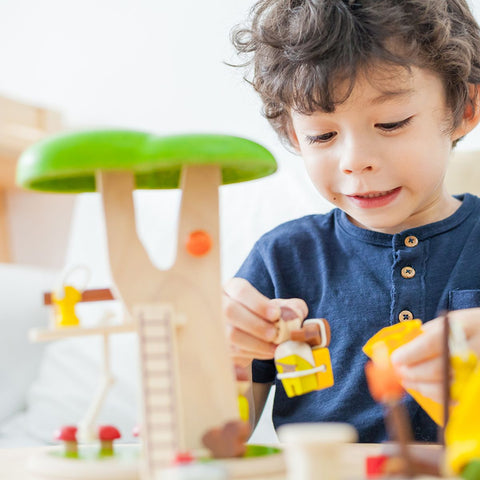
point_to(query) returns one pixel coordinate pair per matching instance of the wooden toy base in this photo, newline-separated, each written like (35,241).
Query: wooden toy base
(53,465)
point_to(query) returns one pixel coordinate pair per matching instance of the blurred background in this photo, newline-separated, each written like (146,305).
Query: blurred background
(152,65)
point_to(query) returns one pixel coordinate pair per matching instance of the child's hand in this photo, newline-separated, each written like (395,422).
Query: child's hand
(251,320)
(419,362)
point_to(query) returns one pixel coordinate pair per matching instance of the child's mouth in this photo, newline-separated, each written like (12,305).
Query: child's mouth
(375,199)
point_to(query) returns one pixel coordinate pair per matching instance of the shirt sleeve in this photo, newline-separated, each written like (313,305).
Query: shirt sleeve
(255,271)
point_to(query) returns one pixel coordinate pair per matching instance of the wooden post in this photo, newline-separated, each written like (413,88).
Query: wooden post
(4,229)
(191,289)
(21,125)
(204,359)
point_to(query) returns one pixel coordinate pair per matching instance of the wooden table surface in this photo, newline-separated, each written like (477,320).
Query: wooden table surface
(13,461)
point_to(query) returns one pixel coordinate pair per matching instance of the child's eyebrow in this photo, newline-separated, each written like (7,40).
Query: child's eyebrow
(392,95)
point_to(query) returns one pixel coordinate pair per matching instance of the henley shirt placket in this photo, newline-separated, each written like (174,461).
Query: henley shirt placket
(408,278)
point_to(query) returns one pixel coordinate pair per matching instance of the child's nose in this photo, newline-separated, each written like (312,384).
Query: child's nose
(362,169)
(357,160)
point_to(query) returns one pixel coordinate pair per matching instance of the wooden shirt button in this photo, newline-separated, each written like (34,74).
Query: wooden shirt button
(408,272)
(411,241)
(405,315)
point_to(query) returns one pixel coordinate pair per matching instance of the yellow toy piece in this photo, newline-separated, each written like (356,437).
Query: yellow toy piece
(294,362)
(243,386)
(298,370)
(393,337)
(396,335)
(462,435)
(65,315)
(462,369)
(321,357)
(243,408)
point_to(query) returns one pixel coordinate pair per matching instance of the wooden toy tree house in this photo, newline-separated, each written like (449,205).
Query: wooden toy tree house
(188,383)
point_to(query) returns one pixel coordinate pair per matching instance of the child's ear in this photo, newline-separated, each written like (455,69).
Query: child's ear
(292,137)
(471,114)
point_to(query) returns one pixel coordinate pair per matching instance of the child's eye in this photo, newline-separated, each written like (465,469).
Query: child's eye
(325,137)
(388,127)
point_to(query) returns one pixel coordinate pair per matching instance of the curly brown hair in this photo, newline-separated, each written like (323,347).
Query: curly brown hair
(299,50)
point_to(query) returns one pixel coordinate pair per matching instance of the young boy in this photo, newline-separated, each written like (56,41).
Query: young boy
(373,94)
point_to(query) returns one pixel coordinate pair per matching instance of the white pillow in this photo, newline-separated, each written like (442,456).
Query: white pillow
(21,308)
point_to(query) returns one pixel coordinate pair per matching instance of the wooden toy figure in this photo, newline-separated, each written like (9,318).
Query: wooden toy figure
(68,435)
(65,315)
(302,357)
(177,312)
(65,298)
(107,434)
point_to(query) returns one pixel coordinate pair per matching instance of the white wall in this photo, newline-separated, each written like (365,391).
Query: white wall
(154,65)
(147,64)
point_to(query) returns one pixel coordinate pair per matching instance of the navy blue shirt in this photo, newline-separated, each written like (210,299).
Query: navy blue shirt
(353,278)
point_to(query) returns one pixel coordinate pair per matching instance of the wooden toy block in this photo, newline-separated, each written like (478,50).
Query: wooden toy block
(312,449)
(228,441)
(295,364)
(309,334)
(375,466)
(315,332)
(321,358)
(93,295)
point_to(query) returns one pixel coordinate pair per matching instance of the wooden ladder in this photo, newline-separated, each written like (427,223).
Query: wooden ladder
(160,427)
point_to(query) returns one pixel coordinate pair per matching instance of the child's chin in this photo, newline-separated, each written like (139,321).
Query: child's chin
(380,223)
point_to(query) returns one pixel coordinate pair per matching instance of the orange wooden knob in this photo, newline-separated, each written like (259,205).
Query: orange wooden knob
(199,243)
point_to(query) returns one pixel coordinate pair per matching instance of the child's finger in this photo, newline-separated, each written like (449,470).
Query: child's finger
(244,343)
(432,390)
(244,359)
(241,291)
(243,373)
(245,320)
(250,356)
(428,371)
(420,349)
(296,304)
(469,319)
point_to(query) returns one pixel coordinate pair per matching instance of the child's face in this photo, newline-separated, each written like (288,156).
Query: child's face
(382,158)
